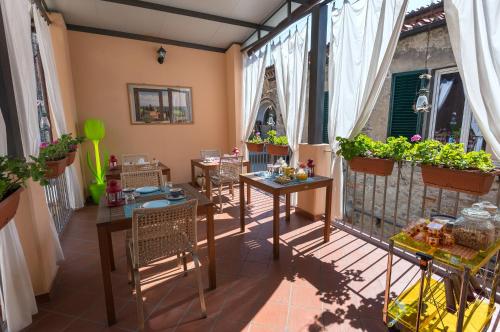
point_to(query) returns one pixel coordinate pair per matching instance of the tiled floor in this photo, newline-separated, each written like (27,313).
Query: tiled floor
(314,286)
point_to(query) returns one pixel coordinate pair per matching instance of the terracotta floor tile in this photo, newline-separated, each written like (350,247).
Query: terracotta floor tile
(306,297)
(52,322)
(305,320)
(84,326)
(273,315)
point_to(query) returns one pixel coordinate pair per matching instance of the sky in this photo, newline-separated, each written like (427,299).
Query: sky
(414,4)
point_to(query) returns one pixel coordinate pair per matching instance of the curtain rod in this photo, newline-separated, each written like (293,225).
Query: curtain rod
(298,14)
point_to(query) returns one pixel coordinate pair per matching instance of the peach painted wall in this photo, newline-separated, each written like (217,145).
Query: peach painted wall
(103,65)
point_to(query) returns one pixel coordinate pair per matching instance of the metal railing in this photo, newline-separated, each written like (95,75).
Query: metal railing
(56,194)
(260,160)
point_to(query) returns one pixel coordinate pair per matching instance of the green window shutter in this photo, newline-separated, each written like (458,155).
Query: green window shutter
(325,118)
(403,121)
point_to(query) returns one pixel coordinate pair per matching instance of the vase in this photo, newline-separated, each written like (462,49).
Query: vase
(96,191)
(375,166)
(8,207)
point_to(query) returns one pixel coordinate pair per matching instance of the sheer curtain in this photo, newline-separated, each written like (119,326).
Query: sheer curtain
(254,67)
(475,39)
(290,63)
(364,35)
(55,101)
(17,22)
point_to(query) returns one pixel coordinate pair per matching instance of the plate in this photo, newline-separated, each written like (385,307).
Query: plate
(156,204)
(178,198)
(147,190)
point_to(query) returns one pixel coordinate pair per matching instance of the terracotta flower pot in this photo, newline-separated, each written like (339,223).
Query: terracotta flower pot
(472,182)
(375,166)
(70,158)
(8,207)
(277,150)
(255,147)
(55,168)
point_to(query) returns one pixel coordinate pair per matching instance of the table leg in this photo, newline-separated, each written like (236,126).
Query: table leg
(463,299)
(249,189)
(494,284)
(193,177)
(328,212)
(110,251)
(208,183)
(211,247)
(287,207)
(276,226)
(388,282)
(242,206)
(102,234)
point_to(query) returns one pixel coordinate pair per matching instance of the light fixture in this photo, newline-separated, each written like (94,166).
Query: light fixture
(162,53)
(422,104)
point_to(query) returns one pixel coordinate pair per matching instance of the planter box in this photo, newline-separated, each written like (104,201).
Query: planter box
(375,166)
(467,181)
(277,150)
(70,158)
(8,207)
(55,168)
(255,147)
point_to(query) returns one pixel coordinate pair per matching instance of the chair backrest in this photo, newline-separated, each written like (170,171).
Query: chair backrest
(134,158)
(141,179)
(163,232)
(209,154)
(139,167)
(231,167)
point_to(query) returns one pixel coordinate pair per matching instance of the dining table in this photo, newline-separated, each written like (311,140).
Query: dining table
(206,167)
(266,182)
(114,173)
(119,218)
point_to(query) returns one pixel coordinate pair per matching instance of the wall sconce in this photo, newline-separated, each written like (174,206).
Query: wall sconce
(162,53)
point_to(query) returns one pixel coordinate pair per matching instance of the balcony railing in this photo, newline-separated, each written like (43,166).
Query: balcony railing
(56,194)
(260,160)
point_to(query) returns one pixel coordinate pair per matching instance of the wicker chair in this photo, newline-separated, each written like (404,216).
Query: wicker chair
(159,233)
(204,154)
(139,167)
(142,178)
(133,158)
(228,174)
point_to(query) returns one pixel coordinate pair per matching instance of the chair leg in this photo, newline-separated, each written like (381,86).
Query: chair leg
(138,297)
(220,197)
(231,190)
(200,285)
(184,263)
(130,275)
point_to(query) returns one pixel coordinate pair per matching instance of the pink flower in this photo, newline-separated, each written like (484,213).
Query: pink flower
(416,138)
(44,145)
(257,133)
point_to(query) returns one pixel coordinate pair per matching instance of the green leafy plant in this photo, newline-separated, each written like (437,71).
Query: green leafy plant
(276,140)
(360,146)
(479,160)
(281,140)
(15,172)
(95,132)
(452,155)
(396,148)
(71,143)
(424,152)
(255,139)
(54,151)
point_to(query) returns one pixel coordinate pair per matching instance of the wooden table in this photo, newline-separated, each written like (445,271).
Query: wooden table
(275,189)
(114,174)
(206,167)
(113,220)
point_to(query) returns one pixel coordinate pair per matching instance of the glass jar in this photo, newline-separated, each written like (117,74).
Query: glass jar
(474,229)
(496,224)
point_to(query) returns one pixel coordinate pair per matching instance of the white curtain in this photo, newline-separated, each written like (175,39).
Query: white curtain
(17,299)
(254,67)
(474,30)
(290,63)
(17,23)
(444,90)
(44,39)
(364,35)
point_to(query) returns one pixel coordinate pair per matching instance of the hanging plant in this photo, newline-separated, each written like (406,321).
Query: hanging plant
(54,155)
(255,143)
(71,145)
(278,145)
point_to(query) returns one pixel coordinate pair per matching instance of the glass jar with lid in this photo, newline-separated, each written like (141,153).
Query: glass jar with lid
(474,228)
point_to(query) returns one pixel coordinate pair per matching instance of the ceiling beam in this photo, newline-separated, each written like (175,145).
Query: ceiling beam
(135,36)
(190,13)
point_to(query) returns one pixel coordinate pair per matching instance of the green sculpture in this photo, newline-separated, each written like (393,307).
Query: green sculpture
(95,132)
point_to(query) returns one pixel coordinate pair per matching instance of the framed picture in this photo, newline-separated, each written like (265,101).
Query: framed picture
(150,104)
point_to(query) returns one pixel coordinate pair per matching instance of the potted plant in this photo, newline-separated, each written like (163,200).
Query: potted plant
(278,145)
(71,146)
(54,155)
(95,132)
(255,143)
(13,176)
(448,166)
(368,156)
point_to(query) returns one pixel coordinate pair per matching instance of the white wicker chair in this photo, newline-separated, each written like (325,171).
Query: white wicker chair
(142,178)
(204,154)
(228,174)
(158,233)
(139,167)
(128,159)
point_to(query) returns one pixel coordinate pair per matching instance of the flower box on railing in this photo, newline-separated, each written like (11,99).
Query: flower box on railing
(277,150)
(70,158)
(472,182)
(8,207)
(255,147)
(55,168)
(375,166)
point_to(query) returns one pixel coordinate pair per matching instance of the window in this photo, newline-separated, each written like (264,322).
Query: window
(403,121)
(41,94)
(451,119)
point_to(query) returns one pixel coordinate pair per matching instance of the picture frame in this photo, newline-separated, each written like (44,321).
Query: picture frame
(154,104)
